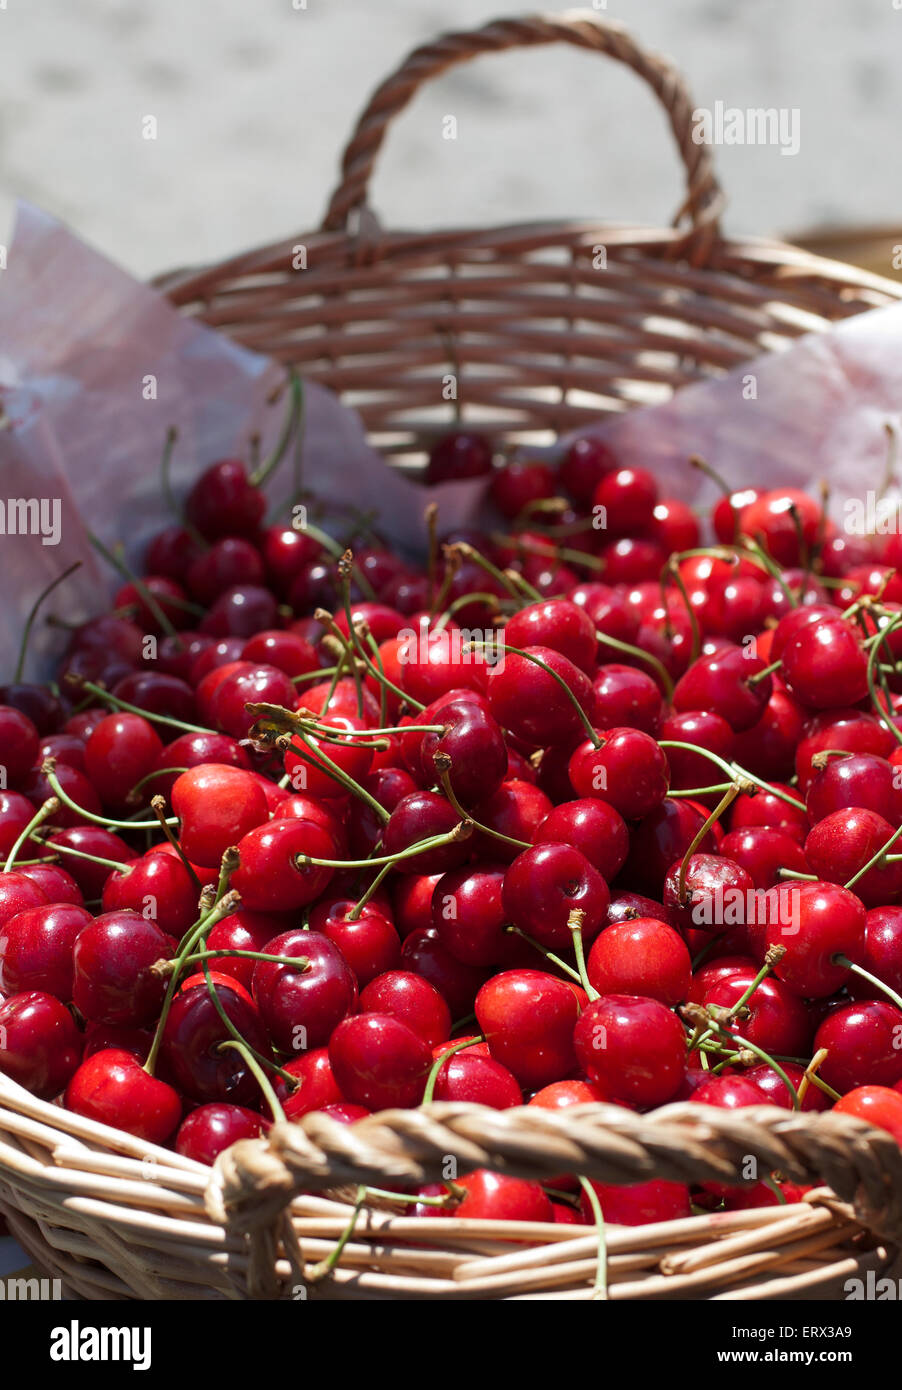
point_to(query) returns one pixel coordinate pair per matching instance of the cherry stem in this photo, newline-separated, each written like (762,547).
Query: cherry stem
(440,1062)
(158,806)
(575,924)
(765,1057)
(543,665)
(458,832)
(699,791)
(336,551)
(293,420)
(549,955)
(875,858)
(106,698)
(144,593)
(325,1267)
(299,963)
(48,769)
(205,922)
(33,613)
(773,957)
(884,715)
(672,568)
(134,794)
(817,1060)
(250,1061)
(50,806)
(859,970)
(443,767)
(600,1287)
(322,761)
(797,877)
(57,849)
(348,644)
(469,552)
(357,909)
(733,770)
(761,675)
(629,650)
(725,801)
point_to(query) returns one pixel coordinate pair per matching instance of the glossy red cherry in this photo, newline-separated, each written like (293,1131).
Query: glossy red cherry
(785,521)
(626,499)
(763,852)
(827,920)
(722,683)
(457,983)
(36,949)
(633,1047)
(642,955)
(858,780)
(773,1018)
(638,1204)
(413,1000)
(468,914)
(557,623)
(95,841)
(516,809)
(217,805)
(584,465)
(717,893)
(864,1045)
(776,1091)
(532,704)
(496,1197)
(728,1093)
(418,817)
(274,875)
(527,1017)
(369,943)
(659,840)
(210,1129)
(316,1086)
(223,501)
(251,683)
(77,787)
(591,826)
(18,743)
(542,888)
(882,953)
(520,483)
(878,1105)
(301,1007)
(54,882)
(825,665)
(193,1036)
(379,1062)
(17,893)
(768,809)
(112,961)
(40,1046)
(112,1088)
(628,770)
(158,886)
(840,846)
(467,1076)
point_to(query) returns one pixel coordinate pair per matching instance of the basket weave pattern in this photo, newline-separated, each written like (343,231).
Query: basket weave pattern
(541,340)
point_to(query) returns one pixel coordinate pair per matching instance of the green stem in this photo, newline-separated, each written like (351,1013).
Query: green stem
(43,813)
(53,782)
(859,970)
(439,1062)
(269,1095)
(33,613)
(600,1287)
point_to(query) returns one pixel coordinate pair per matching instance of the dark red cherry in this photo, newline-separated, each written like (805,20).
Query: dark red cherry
(113,977)
(193,1036)
(210,1129)
(882,954)
(584,465)
(763,852)
(519,484)
(457,983)
(624,501)
(120,752)
(40,1046)
(659,840)
(418,817)
(721,683)
(858,780)
(379,1062)
(462,454)
(862,1042)
(77,787)
(717,893)
(516,809)
(223,501)
(591,826)
(301,1006)
(544,885)
(17,893)
(53,880)
(468,915)
(36,949)
(628,770)
(18,743)
(91,840)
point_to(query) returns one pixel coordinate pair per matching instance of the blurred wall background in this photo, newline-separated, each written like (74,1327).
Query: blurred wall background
(255,98)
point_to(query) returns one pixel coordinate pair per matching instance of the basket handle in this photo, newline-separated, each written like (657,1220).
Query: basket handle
(582,28)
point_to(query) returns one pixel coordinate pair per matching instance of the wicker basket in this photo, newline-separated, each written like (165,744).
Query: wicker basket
(541,339)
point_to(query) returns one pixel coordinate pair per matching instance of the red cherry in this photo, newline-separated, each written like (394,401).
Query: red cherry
(784,520)
(763,852)
(223,501)
(273,876)
(193,1036)
(158,886)
(825,665)
(557,623)
(642,955)
(863,1045)
(703,729)
(468,915)
(516,809)
(417,817)
(627,698)
(628,497)
(113,1088)
(717,893)
(459,455)
(17,893)
(54,882)
(638,1204)
(92,840)
(309,773)
(728,1093)
(776,1019)
(457,983)
(544,885)
(403,995)
(112,960)
(317,1086)
(217,805)
(633,1047)
(827,920)
(18,743)
(467,1076)
(768,809)
(210,1129)
(628,770)
(878,1105)
(776,1091)
(721,683)
(841,844)
(40,1046)
(518,484)
(584,465)
(379,1062)
(659,840)
(591,826)
(858,780)
(882,953)
(36,949)
(300,1008)
(531,703)
(496,1197)
(244,930)
(369,943)
(527,1017)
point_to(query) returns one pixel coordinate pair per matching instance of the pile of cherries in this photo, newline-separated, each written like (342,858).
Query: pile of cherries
(601,804)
